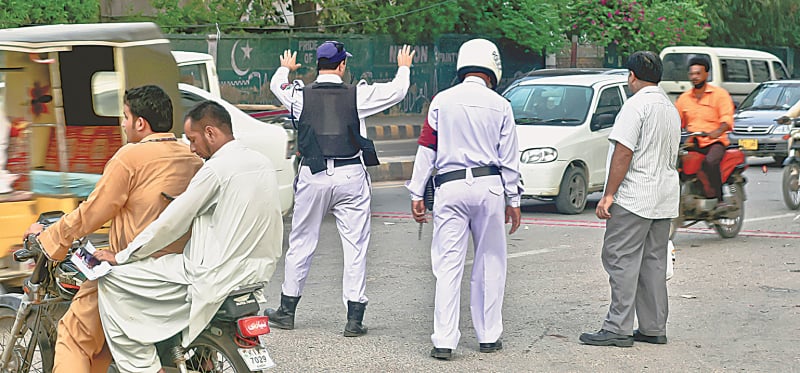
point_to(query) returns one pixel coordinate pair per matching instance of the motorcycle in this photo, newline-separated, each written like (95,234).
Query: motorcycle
(695,207)
(28,321)
(791,165)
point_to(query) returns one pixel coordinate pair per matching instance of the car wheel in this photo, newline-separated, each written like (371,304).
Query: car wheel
(572,193)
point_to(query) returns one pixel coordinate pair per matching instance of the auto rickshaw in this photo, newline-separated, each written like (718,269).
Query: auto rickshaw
(63,93)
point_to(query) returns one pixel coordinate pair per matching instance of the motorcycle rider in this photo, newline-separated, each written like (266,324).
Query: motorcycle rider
(707,108)
(233,210)
(128,194)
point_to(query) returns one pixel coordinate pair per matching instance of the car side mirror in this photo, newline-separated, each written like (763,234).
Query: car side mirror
(601,121)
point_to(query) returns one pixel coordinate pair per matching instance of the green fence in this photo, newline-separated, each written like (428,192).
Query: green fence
(245,63)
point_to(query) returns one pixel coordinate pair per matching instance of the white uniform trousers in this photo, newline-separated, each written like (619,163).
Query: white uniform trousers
(346,194)
(477,206)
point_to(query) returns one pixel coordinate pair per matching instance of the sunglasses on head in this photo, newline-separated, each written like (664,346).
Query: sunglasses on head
(339,45)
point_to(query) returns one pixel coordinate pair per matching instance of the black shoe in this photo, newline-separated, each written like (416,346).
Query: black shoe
(355,315)
(283,317)
(607,338)
(442,353)
(654,339)
(491,347)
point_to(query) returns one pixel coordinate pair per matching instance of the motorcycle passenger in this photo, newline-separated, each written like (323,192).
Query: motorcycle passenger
(233,211)
(128,194)
(707,108)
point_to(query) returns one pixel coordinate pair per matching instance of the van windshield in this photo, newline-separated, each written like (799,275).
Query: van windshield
(555,105)
(772,96)
(676,66)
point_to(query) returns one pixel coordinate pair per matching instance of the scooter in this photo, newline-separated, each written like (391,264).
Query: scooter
(695,207)
(791,165)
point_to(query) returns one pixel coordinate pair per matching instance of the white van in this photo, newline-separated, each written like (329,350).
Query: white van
(738,71)
(199,70)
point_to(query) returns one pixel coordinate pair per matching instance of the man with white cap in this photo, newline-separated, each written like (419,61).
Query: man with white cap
(332,178)
(470,139)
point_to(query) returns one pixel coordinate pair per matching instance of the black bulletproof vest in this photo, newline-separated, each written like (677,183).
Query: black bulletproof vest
(329,121)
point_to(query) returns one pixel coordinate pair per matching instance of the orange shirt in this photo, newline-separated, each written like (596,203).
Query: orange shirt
(128,194)
(707,113)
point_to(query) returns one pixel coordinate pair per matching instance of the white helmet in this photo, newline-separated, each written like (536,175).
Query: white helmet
(479,55)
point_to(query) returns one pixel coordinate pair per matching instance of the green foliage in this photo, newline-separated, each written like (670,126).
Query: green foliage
(191,15)
(15,13)
(632,25)
(749,22)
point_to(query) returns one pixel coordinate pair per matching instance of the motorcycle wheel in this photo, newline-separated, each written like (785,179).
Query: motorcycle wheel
(791,192)
(212,353)
(18,361)
(730,227)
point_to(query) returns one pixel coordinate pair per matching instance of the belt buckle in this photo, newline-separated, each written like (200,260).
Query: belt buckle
(329,163)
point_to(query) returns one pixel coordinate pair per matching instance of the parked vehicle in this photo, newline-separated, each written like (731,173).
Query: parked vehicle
(563,125)
(28,321)
(738,71)
(790,185)
(755,128)
(695,207)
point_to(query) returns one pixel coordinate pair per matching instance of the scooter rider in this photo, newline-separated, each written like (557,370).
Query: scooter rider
(471,140)
(332,177)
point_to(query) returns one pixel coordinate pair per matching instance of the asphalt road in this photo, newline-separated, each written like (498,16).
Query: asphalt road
(734,304)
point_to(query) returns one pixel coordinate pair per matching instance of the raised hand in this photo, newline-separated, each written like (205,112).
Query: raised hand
(289,60)
(405,56)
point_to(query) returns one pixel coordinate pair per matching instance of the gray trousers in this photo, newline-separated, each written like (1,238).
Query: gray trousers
(634,255)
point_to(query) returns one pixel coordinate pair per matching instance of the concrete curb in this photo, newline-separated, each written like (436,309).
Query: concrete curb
(394,132)
(391,171)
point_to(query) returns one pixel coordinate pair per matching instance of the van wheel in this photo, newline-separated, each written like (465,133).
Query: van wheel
(572,193)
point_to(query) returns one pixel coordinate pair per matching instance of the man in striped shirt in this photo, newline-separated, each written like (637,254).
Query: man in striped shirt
(640,198)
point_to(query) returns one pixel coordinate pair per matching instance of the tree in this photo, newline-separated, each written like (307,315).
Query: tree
(15,13)
(192,15)
(748,22)
(631,25)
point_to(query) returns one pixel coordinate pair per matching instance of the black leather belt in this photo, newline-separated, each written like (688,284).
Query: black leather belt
(462,174)
(344,162)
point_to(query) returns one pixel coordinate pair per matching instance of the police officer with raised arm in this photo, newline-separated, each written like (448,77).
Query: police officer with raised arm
(470,139)
(332,178)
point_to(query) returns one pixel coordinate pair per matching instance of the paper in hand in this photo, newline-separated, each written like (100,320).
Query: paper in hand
(84,259)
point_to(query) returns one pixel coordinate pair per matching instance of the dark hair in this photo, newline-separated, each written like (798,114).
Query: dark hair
(700,60)
(153,104)
(216,114)
(325,64)
(646,66)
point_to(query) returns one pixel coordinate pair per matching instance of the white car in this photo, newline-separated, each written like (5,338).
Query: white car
(563,123)
(269,139)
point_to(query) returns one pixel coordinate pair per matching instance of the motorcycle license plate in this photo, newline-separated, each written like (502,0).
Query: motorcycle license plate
(256,358)
(748,144)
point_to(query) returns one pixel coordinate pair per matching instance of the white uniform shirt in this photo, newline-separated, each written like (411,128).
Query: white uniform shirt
(475,127)
(649,124)
(233,209)
(370,98)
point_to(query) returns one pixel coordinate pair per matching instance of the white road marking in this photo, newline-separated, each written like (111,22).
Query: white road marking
(523,253)
(791,215)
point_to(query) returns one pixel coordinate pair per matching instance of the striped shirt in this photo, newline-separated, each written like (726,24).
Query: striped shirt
(650,125)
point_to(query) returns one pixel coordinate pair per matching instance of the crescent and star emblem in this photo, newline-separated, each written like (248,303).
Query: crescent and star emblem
(246,49)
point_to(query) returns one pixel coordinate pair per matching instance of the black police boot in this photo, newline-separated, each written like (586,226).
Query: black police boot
(355,315)
(283,317)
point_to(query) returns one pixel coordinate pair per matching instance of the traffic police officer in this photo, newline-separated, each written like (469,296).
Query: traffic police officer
(332,178)
(477,189)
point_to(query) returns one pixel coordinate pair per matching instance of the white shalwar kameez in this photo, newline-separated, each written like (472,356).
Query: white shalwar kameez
(475,128)
(233,210)
(344,191)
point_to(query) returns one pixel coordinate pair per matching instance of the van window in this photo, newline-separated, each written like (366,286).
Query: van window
(760,71)
(195,75)
(780,72)
(676,66)
(735,71)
